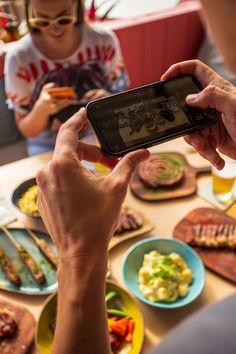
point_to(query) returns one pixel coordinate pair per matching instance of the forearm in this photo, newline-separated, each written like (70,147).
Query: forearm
(81,326)
(220,17)
(34,122)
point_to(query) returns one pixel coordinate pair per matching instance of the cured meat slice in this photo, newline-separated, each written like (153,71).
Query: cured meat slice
(129,220)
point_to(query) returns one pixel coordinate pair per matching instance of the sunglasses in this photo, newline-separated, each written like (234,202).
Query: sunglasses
(41,22)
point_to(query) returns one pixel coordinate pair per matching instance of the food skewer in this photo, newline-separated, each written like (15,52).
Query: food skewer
(30,263)
(45,248)
(222,235)
(9,268)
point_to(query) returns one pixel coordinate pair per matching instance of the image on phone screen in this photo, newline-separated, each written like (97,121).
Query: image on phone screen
(149,113)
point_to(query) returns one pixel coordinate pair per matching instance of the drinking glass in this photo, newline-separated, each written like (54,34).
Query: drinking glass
(223,180)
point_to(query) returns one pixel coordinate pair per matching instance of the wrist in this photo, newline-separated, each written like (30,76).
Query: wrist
(82,247)
(42,107)
(90,268)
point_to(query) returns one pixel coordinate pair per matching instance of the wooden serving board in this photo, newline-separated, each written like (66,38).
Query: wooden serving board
(187,186)
(145,228)
(221,261)
(22,340)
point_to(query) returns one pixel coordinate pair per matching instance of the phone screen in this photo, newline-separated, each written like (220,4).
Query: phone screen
(146,114)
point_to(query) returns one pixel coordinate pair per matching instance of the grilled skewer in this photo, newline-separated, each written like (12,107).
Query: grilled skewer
(45,248)
(30,263)
(214,236)
(9,268)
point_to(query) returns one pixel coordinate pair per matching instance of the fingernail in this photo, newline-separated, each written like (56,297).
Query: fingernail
(82,109)
(144,155)
(192,97)
(193,145)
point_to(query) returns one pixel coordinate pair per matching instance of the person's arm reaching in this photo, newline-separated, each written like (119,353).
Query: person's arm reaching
(80,211)
(219,94)
(35,121)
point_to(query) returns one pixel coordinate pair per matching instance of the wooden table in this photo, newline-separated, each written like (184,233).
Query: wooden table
(164,215)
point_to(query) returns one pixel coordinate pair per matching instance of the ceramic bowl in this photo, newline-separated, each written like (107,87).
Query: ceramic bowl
(133,260)
(19,191)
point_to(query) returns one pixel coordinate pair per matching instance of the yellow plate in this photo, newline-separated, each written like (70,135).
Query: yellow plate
(44,333)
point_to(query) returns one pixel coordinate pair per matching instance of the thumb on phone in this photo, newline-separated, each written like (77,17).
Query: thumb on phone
(213,97)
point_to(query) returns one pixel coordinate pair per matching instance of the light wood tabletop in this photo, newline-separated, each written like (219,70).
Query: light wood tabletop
(164,215)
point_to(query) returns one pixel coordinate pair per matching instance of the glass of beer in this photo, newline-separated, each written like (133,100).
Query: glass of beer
(223,180)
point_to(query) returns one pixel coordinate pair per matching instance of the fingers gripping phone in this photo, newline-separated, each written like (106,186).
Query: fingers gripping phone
(148,115)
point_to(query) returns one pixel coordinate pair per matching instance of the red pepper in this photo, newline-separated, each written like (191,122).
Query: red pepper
(120,327)
(129,335)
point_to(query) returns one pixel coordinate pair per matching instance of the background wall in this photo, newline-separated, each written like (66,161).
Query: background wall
(151,43)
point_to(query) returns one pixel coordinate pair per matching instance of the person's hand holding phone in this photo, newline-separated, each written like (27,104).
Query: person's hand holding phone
(219,94)
(51,103)
(81,192)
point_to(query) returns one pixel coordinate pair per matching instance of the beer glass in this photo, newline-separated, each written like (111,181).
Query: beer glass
(223,180)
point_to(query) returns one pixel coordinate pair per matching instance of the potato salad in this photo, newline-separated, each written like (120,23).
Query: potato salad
(164,277)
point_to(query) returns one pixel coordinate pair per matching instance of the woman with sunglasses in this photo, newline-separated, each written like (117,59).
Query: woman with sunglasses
(61,49)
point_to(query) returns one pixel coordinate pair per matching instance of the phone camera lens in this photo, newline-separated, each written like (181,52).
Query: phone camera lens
(210,113)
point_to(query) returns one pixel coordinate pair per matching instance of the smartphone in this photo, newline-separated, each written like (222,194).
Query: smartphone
(148,115)
(67,112)
(62,92)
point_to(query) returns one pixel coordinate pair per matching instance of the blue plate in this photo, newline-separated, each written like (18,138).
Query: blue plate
(133,260)
(19,191)
(28,284)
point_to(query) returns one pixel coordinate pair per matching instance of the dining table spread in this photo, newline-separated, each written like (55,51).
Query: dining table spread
(164,215)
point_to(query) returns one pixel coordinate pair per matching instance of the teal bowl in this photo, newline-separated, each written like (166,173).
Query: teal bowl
(133,260)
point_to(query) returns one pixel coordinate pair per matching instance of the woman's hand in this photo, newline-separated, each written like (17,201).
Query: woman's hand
(36,120)
(79,209)
(219,94)
(95,94)
(51,104)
